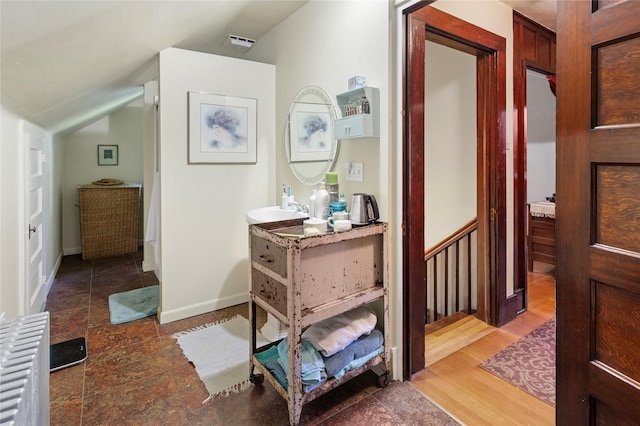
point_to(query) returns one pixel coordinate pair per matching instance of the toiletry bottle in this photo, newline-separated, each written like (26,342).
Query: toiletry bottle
(331,185)
(312,203)
(342,202)
(284,205)
(337,206)
(322,202)
(290,199)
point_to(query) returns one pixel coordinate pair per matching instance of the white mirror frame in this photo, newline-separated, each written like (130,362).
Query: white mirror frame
(312,172)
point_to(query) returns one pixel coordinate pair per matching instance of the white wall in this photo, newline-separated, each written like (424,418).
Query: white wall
(497,17)
(122,127)
(204,239)
(541,138)
(450,141)
(11,217)
(324,44)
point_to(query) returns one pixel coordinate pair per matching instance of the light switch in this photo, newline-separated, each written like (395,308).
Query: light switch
(355,172)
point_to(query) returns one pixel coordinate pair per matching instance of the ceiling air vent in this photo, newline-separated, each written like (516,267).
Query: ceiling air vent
(239,41)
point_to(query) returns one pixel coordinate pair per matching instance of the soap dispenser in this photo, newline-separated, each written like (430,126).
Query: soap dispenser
(322,202)
(284,204)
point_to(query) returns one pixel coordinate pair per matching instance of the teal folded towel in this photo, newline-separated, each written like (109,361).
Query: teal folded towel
(313,371)
(269,359)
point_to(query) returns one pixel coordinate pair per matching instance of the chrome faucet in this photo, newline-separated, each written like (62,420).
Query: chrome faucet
(299,207)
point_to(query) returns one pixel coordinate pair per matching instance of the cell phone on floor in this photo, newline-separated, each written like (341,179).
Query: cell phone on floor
(68,353)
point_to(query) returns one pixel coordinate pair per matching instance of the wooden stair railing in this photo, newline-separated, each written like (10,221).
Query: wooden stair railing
(441,263)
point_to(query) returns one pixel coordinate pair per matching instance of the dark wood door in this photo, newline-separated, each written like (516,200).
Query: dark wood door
(598,212)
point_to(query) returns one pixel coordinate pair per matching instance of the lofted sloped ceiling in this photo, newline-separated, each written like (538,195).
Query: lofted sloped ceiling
(65,64)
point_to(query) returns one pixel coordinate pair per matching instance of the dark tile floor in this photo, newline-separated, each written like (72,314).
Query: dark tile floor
(136,374)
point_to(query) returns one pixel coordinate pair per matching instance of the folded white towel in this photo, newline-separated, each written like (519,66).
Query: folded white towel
(336,333)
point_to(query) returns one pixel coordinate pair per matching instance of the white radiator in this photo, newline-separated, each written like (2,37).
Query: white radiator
(24,370)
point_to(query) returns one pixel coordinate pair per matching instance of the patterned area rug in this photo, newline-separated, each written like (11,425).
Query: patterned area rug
(529,363)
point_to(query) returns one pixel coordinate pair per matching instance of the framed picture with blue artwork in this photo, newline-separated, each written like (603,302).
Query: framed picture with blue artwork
(222,129)
(311,132)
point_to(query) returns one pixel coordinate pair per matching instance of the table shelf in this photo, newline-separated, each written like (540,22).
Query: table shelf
(303,280)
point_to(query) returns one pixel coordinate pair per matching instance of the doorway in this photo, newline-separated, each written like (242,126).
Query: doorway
(450,186)
(540,172)
(426,23)
(541,137)
(534,48)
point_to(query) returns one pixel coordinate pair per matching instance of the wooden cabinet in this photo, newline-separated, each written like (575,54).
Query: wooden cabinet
(303,280)
(541,238)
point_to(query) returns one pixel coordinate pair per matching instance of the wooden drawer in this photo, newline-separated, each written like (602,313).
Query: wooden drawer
(335,271)
(269,290)
(547,249)
(270,255)
(548,232)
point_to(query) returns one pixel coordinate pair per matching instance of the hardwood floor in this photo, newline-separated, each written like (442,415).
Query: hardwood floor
(473,395)
(454,337)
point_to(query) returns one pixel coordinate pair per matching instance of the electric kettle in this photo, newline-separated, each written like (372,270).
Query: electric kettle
(364,209)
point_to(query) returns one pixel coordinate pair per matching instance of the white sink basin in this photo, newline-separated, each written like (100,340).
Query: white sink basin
(272,214)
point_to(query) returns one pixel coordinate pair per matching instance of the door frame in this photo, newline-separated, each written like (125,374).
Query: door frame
(422,22)
(536,50)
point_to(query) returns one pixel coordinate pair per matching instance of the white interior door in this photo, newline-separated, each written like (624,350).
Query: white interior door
(36,280)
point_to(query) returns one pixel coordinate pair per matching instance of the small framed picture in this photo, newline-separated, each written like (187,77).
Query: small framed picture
(107,155)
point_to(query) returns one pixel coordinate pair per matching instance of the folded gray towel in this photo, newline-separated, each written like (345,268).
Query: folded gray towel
(359,348)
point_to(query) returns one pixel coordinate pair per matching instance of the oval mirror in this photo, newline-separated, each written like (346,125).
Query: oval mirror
(309,141)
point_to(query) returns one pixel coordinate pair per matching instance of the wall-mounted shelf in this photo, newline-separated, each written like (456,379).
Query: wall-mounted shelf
(361,114)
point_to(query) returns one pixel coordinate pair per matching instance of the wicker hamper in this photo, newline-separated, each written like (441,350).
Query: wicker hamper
(109,219)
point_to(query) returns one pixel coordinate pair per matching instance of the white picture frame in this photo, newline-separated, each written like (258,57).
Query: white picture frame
(222,129)
(311,132)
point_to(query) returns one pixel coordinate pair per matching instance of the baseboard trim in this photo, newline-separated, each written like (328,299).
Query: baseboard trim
(50,279)
(148,266)
(72,250)
(396,366)
(200,308)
